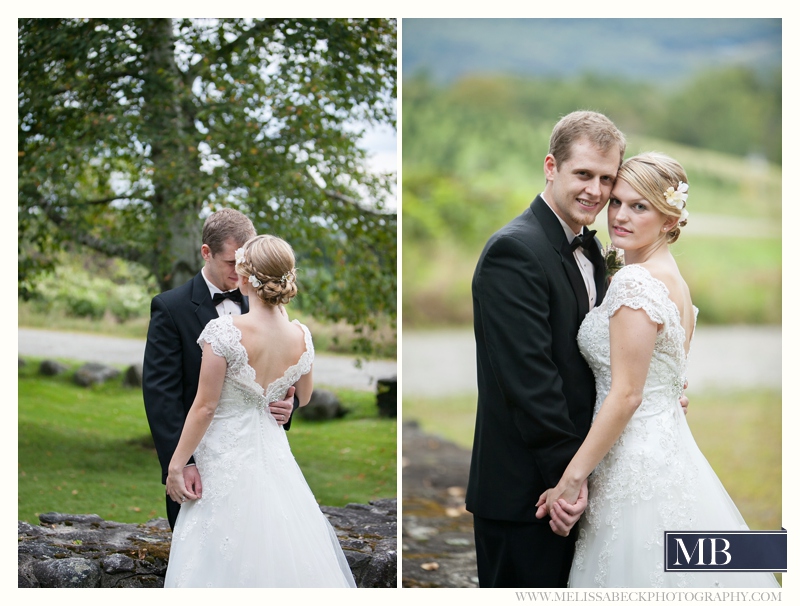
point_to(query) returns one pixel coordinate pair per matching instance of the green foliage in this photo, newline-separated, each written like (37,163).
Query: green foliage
(746,456)
(131,130)
(89,451)
(89,286)
(472,156)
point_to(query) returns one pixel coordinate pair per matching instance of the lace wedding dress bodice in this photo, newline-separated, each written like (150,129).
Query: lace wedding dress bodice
(654,478)
(226,341)
(257,523)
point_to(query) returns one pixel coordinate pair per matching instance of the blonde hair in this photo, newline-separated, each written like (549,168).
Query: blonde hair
(271,261)
(651,174)
(592,126)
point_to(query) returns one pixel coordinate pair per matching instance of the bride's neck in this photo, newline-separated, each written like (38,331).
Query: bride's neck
(650,252)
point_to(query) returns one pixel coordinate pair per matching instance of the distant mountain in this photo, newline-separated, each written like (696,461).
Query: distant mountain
(659,50)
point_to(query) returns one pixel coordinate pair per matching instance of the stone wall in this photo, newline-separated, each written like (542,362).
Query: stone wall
(69,550)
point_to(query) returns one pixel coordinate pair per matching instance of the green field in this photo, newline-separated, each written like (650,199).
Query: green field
(88,450)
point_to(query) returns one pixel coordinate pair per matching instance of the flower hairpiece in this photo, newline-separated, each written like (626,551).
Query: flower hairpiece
(255,281)
(287,277)
(677,198)
(239,256)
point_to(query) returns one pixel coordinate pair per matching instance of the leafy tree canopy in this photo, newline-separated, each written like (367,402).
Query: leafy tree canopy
(131,130)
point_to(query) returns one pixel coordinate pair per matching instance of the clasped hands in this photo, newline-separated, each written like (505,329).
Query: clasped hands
(185,484)
(565,503)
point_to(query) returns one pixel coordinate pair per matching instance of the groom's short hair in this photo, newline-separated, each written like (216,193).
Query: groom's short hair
(592,126)
(226,224)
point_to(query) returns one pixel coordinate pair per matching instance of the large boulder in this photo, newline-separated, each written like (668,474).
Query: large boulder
(133,376)
(68,550)
(51,368)
(322,406)
(93,372)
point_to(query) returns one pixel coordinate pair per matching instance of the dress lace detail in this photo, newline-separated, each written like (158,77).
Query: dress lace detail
(257,523)
(654,478)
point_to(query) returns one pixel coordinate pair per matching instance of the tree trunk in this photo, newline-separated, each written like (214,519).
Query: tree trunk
(176,256)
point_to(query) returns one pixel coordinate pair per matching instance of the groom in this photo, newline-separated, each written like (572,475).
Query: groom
(172,357)
(535,281)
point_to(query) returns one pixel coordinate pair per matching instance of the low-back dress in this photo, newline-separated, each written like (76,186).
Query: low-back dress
(257,523)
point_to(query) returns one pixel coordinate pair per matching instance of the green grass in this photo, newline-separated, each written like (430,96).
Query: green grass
(738,432)
(88,450)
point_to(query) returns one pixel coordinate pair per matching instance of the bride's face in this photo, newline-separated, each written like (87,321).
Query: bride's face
(633,222)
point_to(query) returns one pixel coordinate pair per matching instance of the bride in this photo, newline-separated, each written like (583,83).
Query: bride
(257,523)
(647,473)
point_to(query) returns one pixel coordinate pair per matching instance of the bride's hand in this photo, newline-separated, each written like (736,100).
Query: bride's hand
(564,512)
(177,488)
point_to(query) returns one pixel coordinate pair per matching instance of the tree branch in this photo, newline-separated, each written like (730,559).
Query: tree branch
(331,193)
(261,28)
(112,249)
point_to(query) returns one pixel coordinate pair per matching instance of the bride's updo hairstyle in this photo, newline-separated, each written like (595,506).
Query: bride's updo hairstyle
(268,263)
(661,181)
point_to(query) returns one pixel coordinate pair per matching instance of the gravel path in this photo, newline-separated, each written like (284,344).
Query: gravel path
(329,370)
(440,363)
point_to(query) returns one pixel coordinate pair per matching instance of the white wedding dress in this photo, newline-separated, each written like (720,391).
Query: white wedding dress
(257,523)
(654,478)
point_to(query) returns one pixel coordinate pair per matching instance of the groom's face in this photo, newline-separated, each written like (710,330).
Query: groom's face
(221,267)
(580,186)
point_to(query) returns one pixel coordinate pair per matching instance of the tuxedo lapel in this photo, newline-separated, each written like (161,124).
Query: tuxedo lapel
(555,233)
(596,257)
(204,308)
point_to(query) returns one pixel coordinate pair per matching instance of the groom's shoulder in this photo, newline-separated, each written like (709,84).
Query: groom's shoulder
(176,296)
(525,228)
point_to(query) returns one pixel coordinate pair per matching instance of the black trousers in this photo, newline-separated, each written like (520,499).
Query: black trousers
(522,554)
(173,509)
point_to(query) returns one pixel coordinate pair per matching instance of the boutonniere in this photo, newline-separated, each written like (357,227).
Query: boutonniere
(614,259)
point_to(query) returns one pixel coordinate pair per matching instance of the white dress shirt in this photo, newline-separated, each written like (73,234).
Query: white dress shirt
(226,307)
(584,264)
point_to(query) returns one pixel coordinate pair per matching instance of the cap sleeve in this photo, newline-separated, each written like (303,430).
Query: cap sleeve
(220,334)
(634,287)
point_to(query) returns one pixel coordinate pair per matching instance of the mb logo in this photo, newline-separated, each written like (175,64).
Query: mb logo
(749,550)
(716,547)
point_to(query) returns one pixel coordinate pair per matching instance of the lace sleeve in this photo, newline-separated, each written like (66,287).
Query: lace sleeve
(307,359)
(220,334)
(634,287)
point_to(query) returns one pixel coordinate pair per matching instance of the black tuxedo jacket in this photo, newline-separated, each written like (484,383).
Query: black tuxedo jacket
(172,357)
(535,391)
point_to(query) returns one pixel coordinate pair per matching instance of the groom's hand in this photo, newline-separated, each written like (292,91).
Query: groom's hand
(563,515)
(282,409)
(684,400)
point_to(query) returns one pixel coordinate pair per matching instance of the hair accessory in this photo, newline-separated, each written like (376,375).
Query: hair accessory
(287,277)
(254,281)
(239,256)
(677,198)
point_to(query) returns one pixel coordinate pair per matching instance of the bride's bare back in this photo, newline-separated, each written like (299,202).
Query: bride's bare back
(273,344)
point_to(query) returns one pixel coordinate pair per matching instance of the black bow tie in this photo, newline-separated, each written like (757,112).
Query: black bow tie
(233,295)
(586,240)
